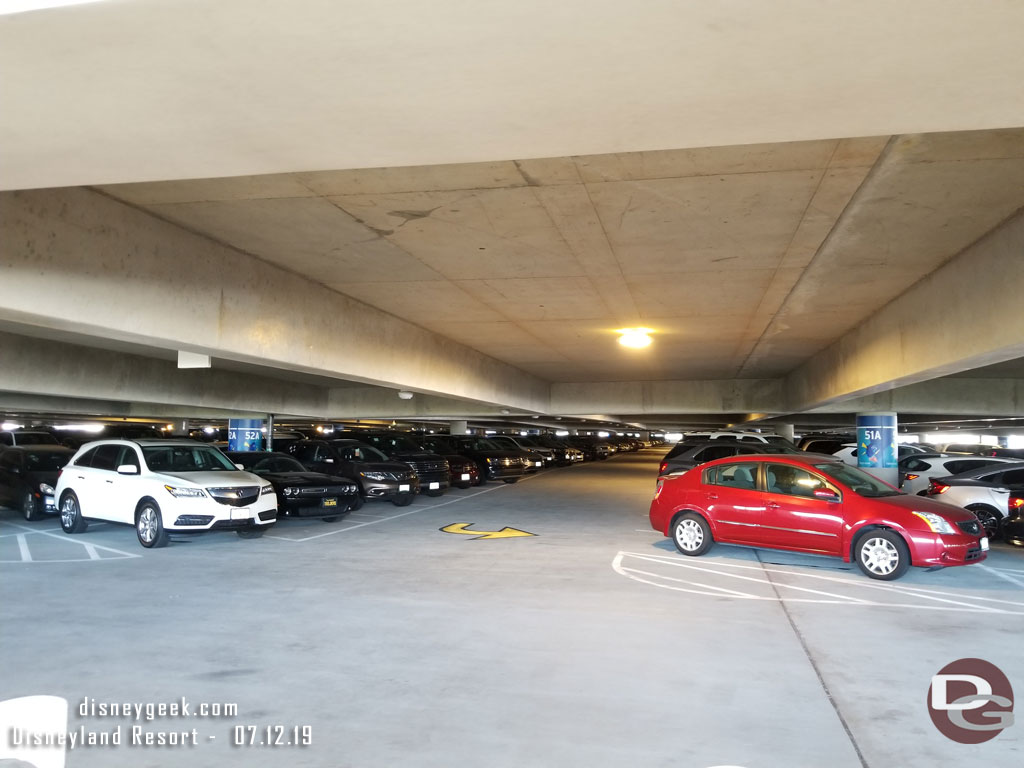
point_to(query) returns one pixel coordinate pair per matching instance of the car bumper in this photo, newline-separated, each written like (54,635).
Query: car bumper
(206,518)
(382,489)
(1013,533)
(318,507)
(503,472)
(931,550)
(434,483)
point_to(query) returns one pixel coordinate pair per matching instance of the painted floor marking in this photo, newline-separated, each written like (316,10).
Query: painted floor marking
(91,550)
(386,519)
(1003,574)
(950,601)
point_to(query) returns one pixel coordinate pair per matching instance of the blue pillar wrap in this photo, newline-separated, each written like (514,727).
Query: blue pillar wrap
(876,446)
(245,434)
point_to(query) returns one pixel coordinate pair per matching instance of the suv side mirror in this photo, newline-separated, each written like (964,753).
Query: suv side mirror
(127,469)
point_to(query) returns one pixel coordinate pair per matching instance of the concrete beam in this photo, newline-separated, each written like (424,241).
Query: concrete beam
(666,397)
(117,272)
(965,315)
(60,370)
(949,396)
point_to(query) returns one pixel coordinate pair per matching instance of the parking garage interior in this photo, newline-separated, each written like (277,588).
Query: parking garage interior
(441,219)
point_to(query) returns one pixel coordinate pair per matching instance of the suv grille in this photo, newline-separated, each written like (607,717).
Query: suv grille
(428,468)
(236,497)
(972,527)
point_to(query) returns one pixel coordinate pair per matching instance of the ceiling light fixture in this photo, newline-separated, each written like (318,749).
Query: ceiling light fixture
(405,394)
(635,338)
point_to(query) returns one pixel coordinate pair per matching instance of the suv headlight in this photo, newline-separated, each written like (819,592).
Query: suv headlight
(376,475)
(937,523)
(46,490)
(265,489)
(185,493)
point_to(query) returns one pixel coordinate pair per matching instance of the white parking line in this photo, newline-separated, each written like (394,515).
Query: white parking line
(951,601)
(91,549)
(1002,574)
(390,517)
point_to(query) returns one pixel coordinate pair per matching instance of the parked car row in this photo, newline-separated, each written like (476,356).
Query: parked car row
(165,486)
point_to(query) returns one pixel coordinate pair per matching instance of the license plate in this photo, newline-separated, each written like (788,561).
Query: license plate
(403,488)
(434,486)
(241,514)
(332,502)
(465,475)
(49,502)
(984,543)
(538,463)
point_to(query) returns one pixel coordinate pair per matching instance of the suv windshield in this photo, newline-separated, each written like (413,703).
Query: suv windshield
(390,444)
(857,480)
(186,458)
(45,462)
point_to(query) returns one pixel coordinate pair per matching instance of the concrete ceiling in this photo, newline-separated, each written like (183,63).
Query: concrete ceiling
(753,181)
(745,261)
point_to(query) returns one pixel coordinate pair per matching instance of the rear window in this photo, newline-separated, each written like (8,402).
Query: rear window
(917,465)
(732,475)
(962,465)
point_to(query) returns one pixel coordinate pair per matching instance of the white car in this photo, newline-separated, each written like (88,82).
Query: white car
(162,487)
(990,505)
(917,471)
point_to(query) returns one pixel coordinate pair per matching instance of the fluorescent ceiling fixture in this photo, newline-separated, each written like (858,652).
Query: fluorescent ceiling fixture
(635,338)
(9,425)
(21,6)
(562,433)
(80,427)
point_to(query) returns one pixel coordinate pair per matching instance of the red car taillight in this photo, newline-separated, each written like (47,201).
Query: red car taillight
(663,467)
(936,487)
(661,484)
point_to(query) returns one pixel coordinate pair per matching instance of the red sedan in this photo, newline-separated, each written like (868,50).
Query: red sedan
(813,505)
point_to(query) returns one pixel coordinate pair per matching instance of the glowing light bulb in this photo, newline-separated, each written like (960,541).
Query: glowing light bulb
(635,338)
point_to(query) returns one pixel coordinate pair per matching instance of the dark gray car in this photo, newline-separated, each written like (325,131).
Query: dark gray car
(685,456)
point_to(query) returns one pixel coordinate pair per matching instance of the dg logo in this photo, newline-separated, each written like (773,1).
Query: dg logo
(970,701)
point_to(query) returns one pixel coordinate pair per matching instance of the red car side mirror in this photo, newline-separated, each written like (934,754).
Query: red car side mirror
(826,494)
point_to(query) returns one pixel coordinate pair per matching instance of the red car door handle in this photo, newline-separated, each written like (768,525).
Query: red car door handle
(712,495)
(773,505)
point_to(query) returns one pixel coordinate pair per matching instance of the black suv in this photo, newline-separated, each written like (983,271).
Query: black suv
(377,475)
(430,468)
(493,462)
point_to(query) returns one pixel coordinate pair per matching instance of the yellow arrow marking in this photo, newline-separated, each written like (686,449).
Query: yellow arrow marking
(504,533)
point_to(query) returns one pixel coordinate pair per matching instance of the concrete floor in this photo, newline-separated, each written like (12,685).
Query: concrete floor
(590,644)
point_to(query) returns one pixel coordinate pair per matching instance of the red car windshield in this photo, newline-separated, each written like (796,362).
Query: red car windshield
(857,480)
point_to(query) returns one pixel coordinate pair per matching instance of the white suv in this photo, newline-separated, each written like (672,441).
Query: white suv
(162,487)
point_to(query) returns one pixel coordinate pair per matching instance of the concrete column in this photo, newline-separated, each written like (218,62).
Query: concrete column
(786,430)
(457,428)
(876,445)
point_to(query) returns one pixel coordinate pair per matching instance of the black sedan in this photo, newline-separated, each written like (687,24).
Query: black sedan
(301,493)
(28,475)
